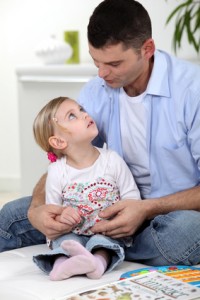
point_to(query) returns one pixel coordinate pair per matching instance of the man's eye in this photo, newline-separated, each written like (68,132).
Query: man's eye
(72,116)
(115,64)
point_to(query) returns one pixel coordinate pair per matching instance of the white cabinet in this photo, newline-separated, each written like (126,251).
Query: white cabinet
(36,86)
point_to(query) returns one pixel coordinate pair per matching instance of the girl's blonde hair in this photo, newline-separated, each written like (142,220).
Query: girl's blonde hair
(43,126)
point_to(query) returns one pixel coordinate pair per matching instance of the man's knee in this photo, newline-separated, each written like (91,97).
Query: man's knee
(15,228)
(178,223)
(176,236)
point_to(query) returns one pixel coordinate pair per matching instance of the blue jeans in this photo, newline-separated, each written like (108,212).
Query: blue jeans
(45,261)
(168,239)
(15,228)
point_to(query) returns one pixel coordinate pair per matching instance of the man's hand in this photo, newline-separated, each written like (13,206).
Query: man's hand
(126,216)
(70,216)
(121,219)
(46,218)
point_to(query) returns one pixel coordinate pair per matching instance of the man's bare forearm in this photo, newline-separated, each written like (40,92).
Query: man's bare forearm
(38,197)
(45,218)
(185,200)
(125,217)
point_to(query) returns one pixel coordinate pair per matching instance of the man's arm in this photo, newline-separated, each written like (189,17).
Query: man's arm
(38,197)
(128,215)
(45,217)
(185,200)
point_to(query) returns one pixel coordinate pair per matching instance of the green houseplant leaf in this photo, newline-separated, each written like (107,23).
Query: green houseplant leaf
(187,21)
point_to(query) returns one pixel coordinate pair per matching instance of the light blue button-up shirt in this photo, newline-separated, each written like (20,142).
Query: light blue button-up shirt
(173,122)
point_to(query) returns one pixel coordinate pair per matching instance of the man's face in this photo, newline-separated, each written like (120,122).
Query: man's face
(119,67)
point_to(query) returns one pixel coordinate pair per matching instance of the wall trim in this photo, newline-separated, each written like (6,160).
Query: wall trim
(9,184)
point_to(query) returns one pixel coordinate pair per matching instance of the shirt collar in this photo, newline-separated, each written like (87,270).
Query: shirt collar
(158,83)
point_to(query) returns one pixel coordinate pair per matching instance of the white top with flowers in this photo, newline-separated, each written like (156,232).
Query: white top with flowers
(91,189)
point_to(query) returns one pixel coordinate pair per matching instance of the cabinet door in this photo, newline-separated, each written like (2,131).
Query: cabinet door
(32,96)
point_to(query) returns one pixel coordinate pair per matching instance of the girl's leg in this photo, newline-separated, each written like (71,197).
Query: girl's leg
(81,261)
(102,257)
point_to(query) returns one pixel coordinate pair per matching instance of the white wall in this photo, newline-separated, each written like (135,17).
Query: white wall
(23,25)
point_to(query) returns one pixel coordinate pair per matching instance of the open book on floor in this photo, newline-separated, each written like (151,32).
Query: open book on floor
(187,274)
(145,284)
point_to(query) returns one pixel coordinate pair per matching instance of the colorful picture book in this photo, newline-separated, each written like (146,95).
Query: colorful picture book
(187,274)
(148,284)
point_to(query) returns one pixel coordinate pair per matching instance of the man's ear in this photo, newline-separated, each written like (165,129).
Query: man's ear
(148,48)
(57,142)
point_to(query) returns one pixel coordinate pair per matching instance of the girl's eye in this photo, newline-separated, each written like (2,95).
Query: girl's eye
(72,116)
(82,109)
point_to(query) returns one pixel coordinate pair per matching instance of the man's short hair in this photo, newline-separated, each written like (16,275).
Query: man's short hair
(115,21)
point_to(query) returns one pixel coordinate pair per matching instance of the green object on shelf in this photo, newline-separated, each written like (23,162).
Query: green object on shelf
(72,38)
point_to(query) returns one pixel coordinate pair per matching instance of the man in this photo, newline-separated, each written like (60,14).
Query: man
(147,107)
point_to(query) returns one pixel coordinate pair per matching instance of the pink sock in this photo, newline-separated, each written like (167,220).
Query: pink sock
(81,261)
(60,260)
(101,266)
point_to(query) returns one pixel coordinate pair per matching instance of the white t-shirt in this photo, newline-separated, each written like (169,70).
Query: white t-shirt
(133,123)
(90,189)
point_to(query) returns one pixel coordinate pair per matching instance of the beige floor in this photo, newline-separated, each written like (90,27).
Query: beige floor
(8,196)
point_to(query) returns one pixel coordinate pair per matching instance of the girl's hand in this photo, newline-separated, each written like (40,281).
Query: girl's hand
(70,216)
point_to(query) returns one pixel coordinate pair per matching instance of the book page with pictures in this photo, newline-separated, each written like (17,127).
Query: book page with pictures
(150,286)
(187,274)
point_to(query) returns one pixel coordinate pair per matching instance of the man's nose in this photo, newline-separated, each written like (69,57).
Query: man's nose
(103,71)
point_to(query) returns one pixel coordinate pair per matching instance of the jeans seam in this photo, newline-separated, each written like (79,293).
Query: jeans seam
(5,234)
(176,260)
(190,251)
(158,245)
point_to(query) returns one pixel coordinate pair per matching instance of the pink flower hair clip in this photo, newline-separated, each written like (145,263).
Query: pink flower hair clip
(51,156)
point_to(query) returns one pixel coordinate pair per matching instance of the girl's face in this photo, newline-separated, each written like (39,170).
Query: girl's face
(74,124)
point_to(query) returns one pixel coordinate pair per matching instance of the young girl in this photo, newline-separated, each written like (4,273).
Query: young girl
(84,179)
